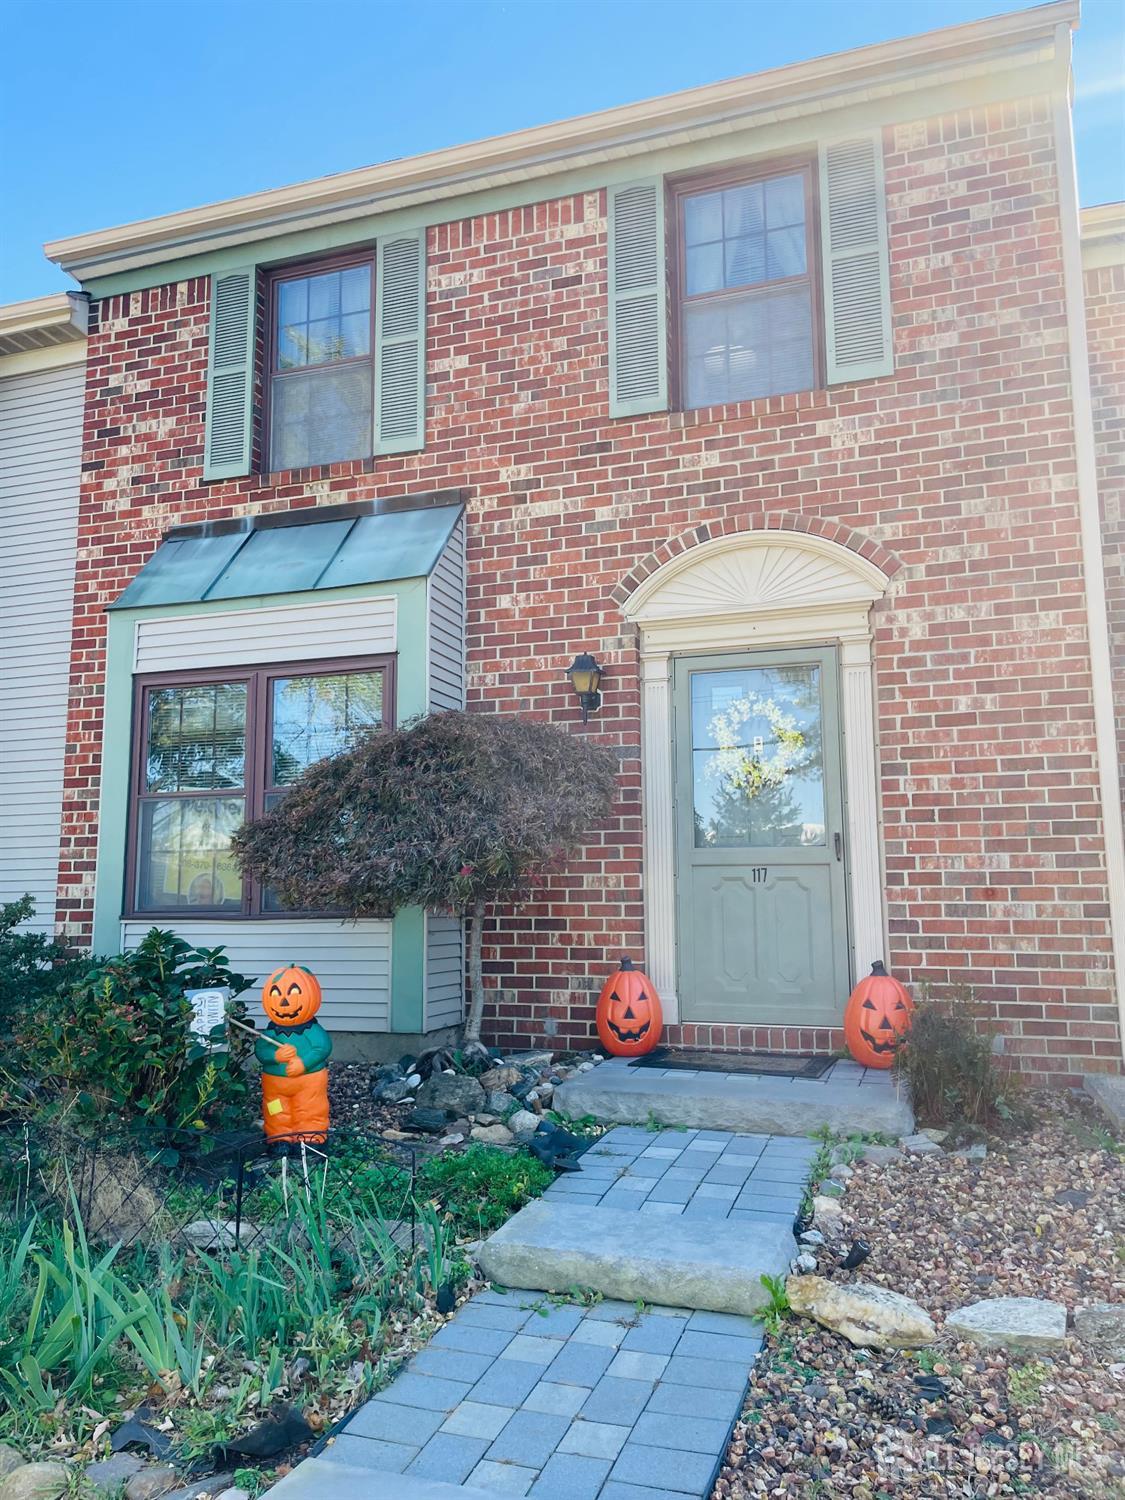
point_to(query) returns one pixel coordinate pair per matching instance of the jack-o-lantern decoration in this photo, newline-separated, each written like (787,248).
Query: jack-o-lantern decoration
(293,1050)
(629,1017)
(877,1016)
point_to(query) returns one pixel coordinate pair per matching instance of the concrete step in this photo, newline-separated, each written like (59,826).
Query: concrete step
(848,1098)
(714,1264)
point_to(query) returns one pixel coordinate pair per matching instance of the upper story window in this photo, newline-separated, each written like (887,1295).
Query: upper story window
(321,368)
(216,748)
(747,304)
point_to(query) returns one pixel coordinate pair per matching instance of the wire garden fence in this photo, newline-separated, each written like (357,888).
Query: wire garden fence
(216,1192)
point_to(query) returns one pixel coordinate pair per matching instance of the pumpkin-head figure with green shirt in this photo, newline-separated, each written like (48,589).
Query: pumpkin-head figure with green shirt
(293,1050)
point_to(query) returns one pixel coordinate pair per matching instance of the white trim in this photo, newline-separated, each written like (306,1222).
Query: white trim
(1089,510)
(52,357)
(744,589)
(981,51)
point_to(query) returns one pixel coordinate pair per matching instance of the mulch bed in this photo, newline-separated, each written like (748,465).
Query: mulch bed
(1042,1216)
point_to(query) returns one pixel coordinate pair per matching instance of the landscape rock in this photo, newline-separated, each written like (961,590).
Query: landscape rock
(827,1214)
(219,1234)
(234,1492)
(530,1059)
(841,1172)
(1103,1325)
(806,1261)
(499,1101)
(523,1124)
(10,1458)
(109,1474)
(937,1136)
(149,1483)
(214,1486)
(881,1155)
(1019,1323)
(973,1153)
(500,1078)
(920,1145)
(866,1315)
(432,1121)
(392,1090)
(455,1093)
(829,1188)
(493,1135)
(42,1481)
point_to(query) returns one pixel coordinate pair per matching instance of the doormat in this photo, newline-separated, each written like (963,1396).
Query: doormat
(773,1064)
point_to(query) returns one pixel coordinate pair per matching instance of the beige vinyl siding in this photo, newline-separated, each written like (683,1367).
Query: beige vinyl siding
(242,637)
(40,450)
(445,972)
(352,960)
(446,611)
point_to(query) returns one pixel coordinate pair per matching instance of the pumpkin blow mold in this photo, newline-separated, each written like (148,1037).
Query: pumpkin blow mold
(877,1017)
(629,1018)
(293,1050)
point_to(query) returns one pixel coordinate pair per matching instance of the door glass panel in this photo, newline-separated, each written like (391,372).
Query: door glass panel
(758,758)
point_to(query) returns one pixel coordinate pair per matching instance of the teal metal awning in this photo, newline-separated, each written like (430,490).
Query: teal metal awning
(289,554)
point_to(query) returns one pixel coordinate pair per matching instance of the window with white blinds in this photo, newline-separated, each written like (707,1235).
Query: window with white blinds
(747,305)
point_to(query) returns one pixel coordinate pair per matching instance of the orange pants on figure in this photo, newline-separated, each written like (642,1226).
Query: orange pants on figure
(296,1107)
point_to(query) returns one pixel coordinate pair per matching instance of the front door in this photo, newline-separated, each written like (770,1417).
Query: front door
(761,893)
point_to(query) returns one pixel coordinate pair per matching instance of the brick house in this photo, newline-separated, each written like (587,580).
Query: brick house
(774,395)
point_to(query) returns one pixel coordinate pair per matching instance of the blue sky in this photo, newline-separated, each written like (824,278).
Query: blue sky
(138,107)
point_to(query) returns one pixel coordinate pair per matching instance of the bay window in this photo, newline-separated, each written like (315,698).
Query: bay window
(213,749)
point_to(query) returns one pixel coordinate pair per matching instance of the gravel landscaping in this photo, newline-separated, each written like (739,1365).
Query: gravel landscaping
(1041,1216)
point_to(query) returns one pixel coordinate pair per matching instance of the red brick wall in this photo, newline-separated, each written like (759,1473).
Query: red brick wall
(1105,327)
(960,465)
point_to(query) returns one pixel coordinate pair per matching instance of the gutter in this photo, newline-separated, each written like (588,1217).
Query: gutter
(807,88)
(1105,735)
(43,322)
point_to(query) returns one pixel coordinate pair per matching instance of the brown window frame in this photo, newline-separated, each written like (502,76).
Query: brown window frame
(298,271)
(258,777)
(682,188)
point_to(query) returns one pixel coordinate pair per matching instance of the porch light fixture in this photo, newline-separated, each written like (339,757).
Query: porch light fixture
(586,678)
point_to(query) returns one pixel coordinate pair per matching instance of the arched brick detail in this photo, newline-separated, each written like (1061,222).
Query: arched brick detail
(832,531)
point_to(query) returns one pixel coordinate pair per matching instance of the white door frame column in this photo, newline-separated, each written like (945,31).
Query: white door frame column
(746,592)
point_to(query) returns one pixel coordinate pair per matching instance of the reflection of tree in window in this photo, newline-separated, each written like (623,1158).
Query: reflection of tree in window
(197,737)
(758,777)
(318,716)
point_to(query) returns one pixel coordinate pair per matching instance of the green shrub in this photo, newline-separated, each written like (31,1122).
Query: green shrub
(482,1186)
(948,1063)
(114,1044)
(32,965)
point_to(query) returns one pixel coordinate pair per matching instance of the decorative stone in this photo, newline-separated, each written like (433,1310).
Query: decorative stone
(869,1316)
(937,1136)
(920,1145)
(1072,1198)
(392,1090)
(841,1172)
(213,1486)
(881,1155)
(585,1067)
(530,1059)
(827,1214)
(806,1261)
(493,1135)
(108,1474)
(455,1093)
(44,1481)
(812,1237)
(219,1234)
(500,1102)
(429,1120)
(1018,1323)
(500,1078)
(1103,1325)
(10,1458)
(152,1481)
(234,1492)
(523,1124)
(973,1153)
(831,1189)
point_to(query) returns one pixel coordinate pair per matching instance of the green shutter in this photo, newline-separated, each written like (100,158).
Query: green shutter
(638,299)
(857,293)
(400,343)
(230,374)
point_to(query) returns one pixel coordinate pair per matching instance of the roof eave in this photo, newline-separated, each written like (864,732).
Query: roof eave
(808,87)
(43,322)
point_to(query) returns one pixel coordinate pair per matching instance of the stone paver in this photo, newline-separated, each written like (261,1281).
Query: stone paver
(600,1403)
(846,1098)
(707,1174)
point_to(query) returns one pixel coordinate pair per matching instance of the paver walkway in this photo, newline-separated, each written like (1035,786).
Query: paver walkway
(693,1174)
(521,1394)
(518,1395)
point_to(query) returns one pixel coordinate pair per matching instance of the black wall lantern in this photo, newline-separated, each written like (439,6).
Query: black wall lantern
(586,678)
